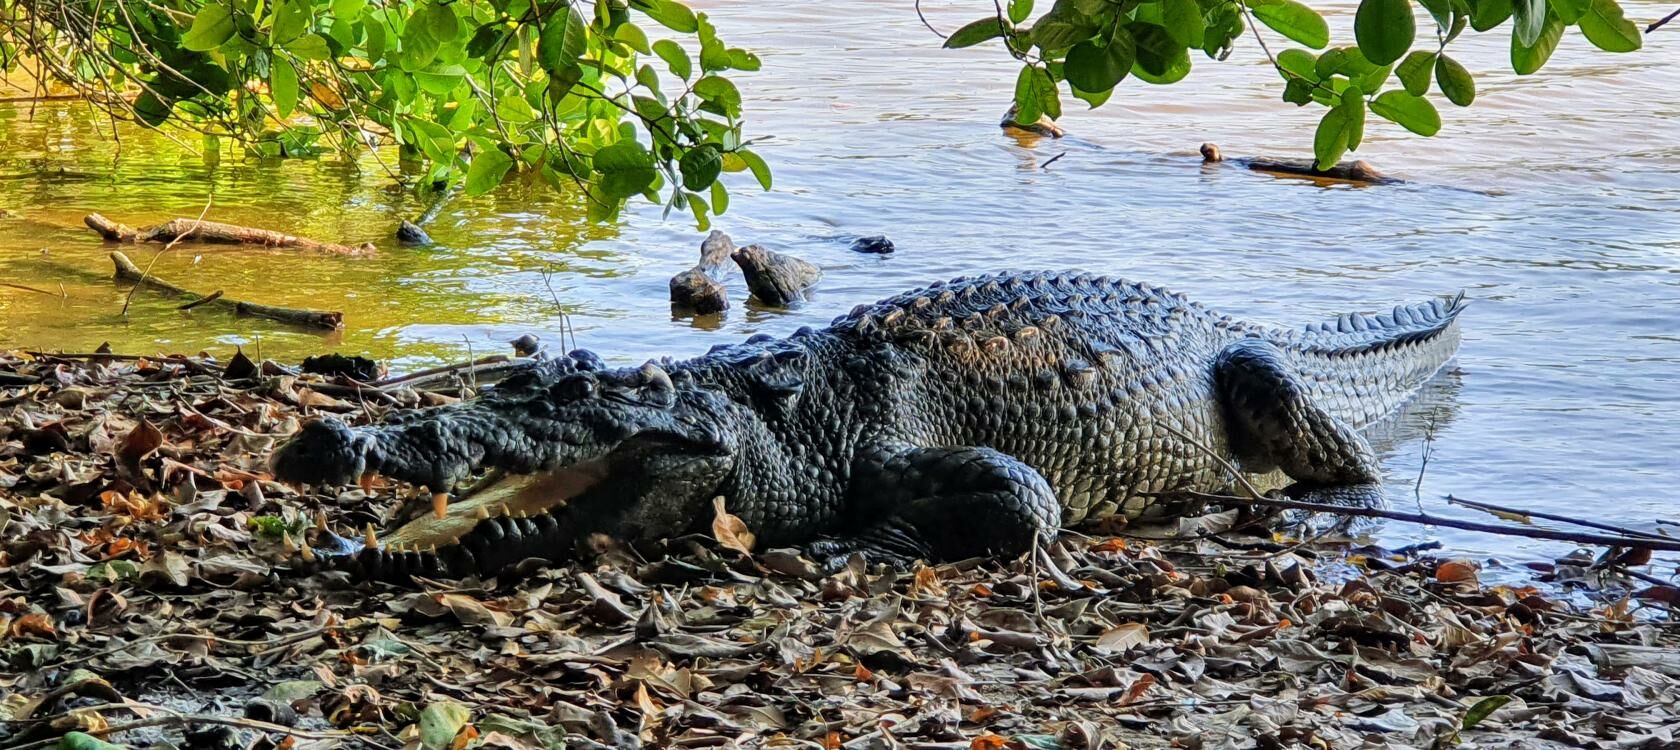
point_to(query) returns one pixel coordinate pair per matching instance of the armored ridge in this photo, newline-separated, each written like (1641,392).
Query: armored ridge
(971,417)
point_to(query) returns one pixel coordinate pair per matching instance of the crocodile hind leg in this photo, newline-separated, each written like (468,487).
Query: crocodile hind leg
(943,504)
(1273,422)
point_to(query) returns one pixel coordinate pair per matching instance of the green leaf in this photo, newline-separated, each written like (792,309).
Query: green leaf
(701,166)
(1487,14)
(1061,31)
(1526,59)
(1455,81)
(668,13)
(1094,69)
(432,139)
(741,59)
(1384,29)
(440,21)
(1160,58)
(1183,20)
(1297,63)
(697,205)
(633,36)
(310,47)
(1330,140)
(487,170)
(675,57)
(1224,24)
(349,10)
(440,80)
(440,722)
(563,41)
(85,741)
(756,163)
(1413,113)
(212,26)
(1019,10)
(627,169)
(1093,98)
(720,91)
(1035,95)
(976,32)
(283,86)
(1606,27)
(1570,11)
(1482,709)
(1294,20)
(1530,19)
(290,20)
(1353,103)
(1414,72)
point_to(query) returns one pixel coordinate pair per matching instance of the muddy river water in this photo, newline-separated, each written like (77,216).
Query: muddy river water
(1554,202)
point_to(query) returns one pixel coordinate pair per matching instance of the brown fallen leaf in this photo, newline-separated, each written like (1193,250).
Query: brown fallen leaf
(471,611)
(1456,571)
(140,442)
(1123,637)
(730,530)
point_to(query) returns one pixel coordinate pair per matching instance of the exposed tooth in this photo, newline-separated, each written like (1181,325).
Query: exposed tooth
(370,541)
(366,481)
(431,550)
(320,521)
(502,510)
(440,505)
(286,542)
(480,513)
(308,554)
(519,513)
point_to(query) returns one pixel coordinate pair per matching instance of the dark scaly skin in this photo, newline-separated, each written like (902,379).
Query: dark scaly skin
(969,418)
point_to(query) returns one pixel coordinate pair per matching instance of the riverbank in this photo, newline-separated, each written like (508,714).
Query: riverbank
(144,543)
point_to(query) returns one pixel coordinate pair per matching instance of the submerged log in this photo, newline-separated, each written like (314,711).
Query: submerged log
(127,271)
(1359,171)
(774,278)
(701,288)
(217,232)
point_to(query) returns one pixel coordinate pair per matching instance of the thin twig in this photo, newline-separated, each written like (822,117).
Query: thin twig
(1451,523)
(27,288)
(1659,23)
(174,718)
(928,25)
(1491,508)
(211,297)
(166,248)
(1052,160)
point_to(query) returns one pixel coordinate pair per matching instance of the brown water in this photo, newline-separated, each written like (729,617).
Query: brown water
(1555,201)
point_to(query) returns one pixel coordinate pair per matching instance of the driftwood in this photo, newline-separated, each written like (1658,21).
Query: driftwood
(1359,171)
(701,288)
(127,271)
(876,245)
(217,232)
(774,278)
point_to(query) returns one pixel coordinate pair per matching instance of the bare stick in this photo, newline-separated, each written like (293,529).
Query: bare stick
(217,232)
(126,270)
(166,248)
(27,288)
(216,295)
(1659,23)
(175,719)
(1451,523)
(1491,508)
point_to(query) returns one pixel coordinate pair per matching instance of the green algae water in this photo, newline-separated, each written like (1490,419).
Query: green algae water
(1554,202)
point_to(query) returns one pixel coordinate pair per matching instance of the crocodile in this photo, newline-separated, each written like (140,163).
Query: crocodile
(974,417)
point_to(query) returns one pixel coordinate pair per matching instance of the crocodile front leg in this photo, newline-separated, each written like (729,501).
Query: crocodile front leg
(1274,423)
(943,504)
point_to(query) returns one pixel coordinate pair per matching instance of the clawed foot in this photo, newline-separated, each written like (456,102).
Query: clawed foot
(889,544)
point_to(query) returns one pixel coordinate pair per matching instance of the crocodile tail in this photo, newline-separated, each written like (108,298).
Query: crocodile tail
(1363,367)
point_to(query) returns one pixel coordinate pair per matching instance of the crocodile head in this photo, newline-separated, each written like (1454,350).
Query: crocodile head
(633,453)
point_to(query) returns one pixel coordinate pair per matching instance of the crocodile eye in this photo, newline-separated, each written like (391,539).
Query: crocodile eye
(575,387)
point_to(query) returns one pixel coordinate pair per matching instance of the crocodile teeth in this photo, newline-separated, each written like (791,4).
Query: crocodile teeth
(366,481)
(308,554)
(480,513)
(320,521)
(369,540)
(286,542)
(440,505)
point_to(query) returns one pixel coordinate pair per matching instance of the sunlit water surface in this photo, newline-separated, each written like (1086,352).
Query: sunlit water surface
(1554,201)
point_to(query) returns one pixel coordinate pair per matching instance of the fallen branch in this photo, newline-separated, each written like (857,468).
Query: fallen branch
(173,718)
(1491,508)
(1452,523)
(1359,171)
(166,248)
(216,295)
(217,232)
(27,288)
(127,271)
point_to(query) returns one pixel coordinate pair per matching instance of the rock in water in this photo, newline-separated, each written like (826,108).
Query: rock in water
(410,233)
(701,288)
(775,278)
(878,244)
